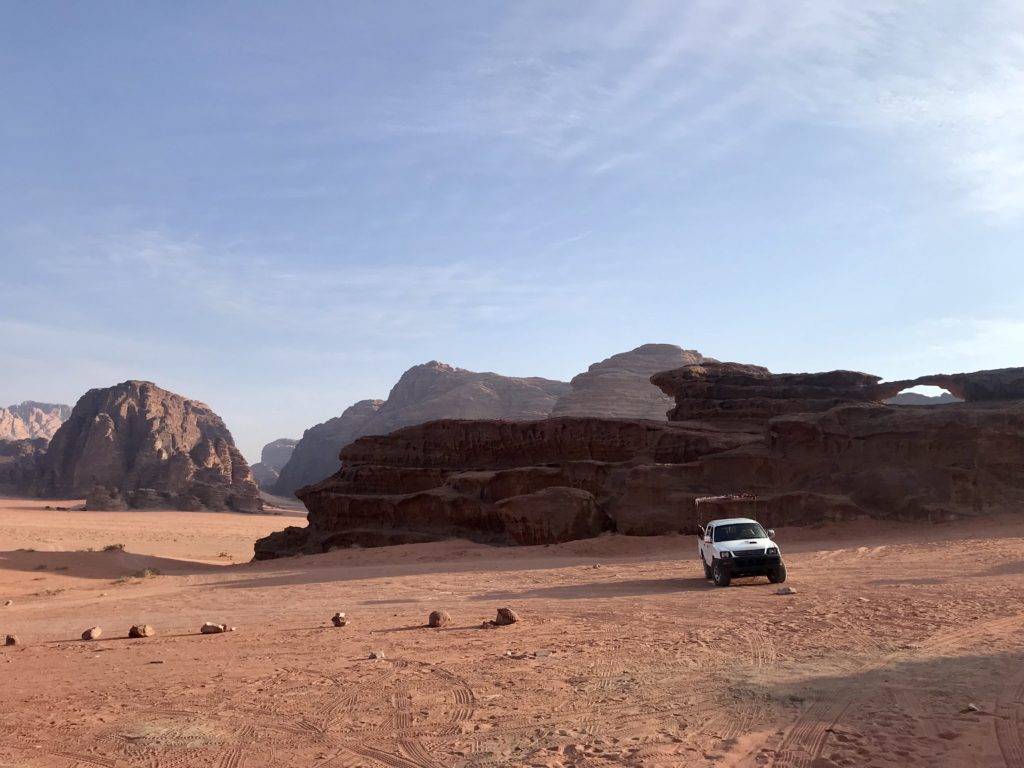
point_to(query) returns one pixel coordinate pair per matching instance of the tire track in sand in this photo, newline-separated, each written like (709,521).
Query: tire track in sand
(804,741)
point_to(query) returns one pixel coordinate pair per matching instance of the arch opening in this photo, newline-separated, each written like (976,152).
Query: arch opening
(924,394)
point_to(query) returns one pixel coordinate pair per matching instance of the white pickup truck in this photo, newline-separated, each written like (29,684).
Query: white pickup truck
(739,546)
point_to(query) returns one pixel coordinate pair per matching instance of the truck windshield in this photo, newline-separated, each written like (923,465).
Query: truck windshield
(734,531)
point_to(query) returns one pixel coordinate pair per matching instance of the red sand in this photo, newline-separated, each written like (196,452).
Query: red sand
(893,632)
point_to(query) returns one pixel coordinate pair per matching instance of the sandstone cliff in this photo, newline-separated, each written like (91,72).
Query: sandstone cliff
(273,457)
(811,447)
(425,392)
(620,387)
(31,419)
(135,444)
(20,464)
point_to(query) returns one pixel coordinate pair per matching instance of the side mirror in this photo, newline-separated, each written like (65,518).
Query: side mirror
(771,533)
(701,529)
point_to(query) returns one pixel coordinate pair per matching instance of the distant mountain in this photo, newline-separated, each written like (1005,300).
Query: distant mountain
(272,459)
(914,398)
(30,420)
(425,392)
(135,444)
(620,387)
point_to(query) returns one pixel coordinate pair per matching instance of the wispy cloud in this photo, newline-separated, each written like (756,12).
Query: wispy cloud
(669,83)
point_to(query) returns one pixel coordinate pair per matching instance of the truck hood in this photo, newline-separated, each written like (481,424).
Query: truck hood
(741,544)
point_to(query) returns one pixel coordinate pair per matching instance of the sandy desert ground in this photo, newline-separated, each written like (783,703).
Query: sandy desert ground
(902,646)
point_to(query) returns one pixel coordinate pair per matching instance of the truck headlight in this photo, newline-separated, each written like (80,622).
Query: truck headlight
(772,551)
(726,554)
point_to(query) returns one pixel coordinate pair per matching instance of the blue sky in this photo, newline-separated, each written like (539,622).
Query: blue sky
(278,208)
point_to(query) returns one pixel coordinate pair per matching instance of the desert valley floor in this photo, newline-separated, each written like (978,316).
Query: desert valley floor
(902,646)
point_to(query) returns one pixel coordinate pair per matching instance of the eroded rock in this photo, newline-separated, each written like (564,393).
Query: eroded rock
(439,619)
(505,617)
(137,445)
(93,633)
(141,630)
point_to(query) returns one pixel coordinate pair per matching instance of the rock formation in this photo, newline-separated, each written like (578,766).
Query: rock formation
(425,392)
(20,464)
(916,398)
(316,454)
(137,445)
(31,420)
(620,387)
(272,460)
(810,447)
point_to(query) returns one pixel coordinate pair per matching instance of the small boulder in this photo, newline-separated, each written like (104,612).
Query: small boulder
(12,640)
(8,603)
(376,654)
(339,619)
(970,708)
(785,591)
(93,633)
(439,619)
(209,628)
(141,630)
(505,617)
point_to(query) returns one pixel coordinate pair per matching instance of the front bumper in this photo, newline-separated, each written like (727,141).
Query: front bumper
(751,565)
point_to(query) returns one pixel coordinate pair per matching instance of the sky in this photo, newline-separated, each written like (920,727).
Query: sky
(277,208)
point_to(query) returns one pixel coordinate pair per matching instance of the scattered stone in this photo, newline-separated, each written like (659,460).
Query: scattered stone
(12,640)
(141,630)
(439,619)
(970,708)
(93,633)
(785,591)
(505,617)
(339,619)
(376,654)
(8,603)
(209,628)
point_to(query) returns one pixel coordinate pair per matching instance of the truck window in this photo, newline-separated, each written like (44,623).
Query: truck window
(735,531)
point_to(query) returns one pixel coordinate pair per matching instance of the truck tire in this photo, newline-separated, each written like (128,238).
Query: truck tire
(707,568)
(777,575)
(720,575)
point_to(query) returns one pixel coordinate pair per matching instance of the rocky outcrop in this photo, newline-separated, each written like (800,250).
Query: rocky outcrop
(715,391)
(137,445)
(494,481)
(272,460)
(809,447)
(20,464)
(620,387)
(316,455)
(425,392)
(978,387)
(30,420)
(916,398)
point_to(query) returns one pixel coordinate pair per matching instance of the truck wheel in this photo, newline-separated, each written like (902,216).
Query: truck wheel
(707,568)
(719,574)
(777,575)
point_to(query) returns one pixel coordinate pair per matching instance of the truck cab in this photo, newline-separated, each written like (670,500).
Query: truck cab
(739,546)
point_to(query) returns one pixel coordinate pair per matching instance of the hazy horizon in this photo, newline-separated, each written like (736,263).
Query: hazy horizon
(278,210)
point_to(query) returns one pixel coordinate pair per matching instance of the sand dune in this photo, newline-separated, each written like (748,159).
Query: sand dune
(624,656)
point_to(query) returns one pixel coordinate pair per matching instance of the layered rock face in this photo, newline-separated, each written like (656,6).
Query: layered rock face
(495,481)
(273,457)
(20,464)
(137,445)
(810,447)
(736,392)
(620,387)
(425,392)
(31,420)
